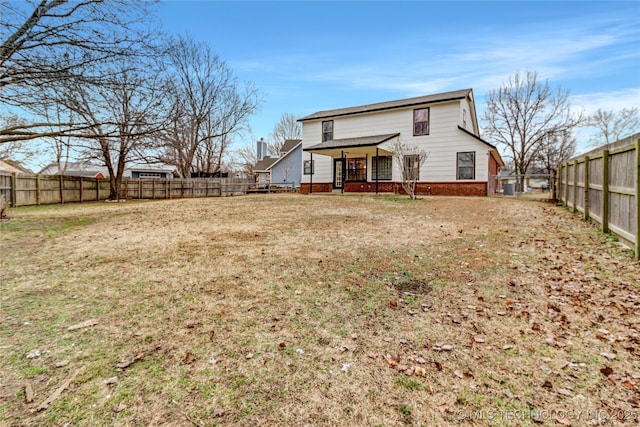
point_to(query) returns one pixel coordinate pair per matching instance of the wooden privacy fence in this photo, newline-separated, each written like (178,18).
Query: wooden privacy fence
(28,189)
(603,185)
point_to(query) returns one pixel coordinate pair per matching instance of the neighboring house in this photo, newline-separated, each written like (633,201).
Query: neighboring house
(83,169)
(283,170)
(95,171)
(350,149)
(10,166)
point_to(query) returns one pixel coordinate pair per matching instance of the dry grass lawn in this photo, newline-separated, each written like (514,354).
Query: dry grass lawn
(316,310)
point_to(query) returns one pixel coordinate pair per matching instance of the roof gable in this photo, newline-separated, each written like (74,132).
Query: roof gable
(389,105)
(289,145)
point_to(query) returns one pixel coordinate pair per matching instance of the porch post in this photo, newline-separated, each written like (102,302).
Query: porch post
(311,175)
(377,168)
(342,167)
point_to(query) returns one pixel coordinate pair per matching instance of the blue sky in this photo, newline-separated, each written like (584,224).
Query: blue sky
(310,56)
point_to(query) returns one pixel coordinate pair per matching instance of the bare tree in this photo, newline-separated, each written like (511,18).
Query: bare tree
(409,160)
(556,149)
(613,125)
(122,114)
(16,150)
(287,128)
(245,159)
(48,41)
(525,113)
(208,107)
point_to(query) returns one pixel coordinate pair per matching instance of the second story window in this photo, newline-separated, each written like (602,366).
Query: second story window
(327,130)
(421,121)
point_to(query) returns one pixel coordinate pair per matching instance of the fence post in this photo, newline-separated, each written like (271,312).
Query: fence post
(97,189)
(586,188)
(61,183)
(637,254)
(38,189)
(566,184)
(81,188)
(605,191)
(575,186)
(14,189)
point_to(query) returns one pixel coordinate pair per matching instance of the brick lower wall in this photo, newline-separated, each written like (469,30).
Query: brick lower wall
(422,188)
(318,187)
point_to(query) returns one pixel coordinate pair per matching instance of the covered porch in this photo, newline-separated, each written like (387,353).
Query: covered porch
(357,164)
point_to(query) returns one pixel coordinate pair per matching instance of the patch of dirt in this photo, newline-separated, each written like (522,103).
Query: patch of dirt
(411,286)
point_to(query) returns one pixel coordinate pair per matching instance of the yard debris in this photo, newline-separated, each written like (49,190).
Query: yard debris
(299,351)
(61,364)
(189,358)
(442,347)
(608,355)
(44,405)
(121,407)
(33,354)
(346,367)
(110,381)
(82,325)
(419,371)
(28,392)
(126,363)
(606,371)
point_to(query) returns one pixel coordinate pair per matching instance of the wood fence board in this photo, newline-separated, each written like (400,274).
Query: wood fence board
(604,185)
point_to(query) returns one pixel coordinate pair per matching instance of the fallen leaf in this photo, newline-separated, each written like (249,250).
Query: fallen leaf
(282,345)
(628,384)
(392,361)
(393,304)
(458,374)
(606,371)
(189,358)
(419,371)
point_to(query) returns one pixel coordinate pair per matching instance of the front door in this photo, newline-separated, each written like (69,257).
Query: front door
(338,168)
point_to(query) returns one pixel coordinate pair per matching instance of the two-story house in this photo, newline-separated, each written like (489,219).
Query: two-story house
(351,149)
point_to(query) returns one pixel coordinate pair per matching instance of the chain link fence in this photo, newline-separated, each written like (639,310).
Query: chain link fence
(536,186)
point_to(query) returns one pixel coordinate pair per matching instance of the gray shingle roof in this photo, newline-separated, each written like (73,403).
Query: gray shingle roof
(389,105)
(289,145)
(265,163)
(361,141)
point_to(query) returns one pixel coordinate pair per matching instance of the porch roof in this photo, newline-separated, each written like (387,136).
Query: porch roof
(334,147)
